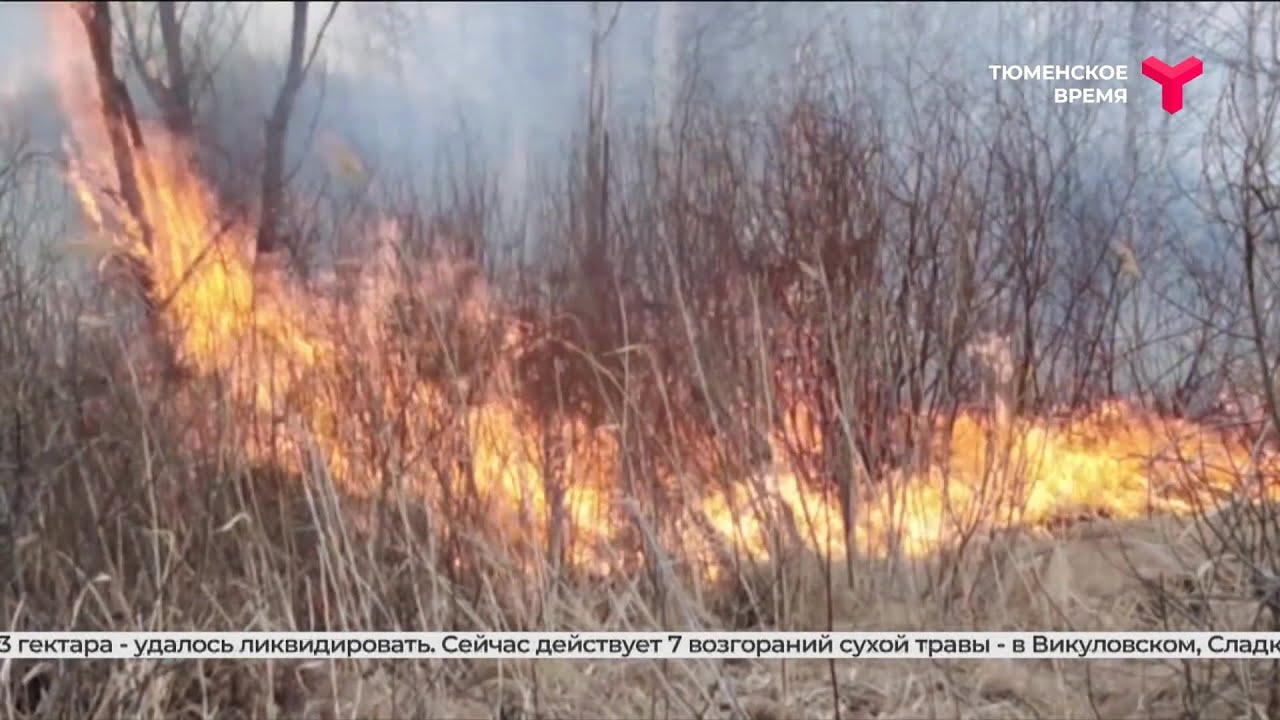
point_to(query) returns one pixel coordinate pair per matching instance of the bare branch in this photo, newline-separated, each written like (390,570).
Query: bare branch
(277,127)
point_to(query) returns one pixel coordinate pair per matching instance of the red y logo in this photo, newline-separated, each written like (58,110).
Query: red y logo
(1172,79)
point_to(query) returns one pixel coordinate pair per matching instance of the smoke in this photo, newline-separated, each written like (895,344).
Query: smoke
(405,83)
(405,88)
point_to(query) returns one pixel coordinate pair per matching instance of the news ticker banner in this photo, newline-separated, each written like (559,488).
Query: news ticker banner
(638,645)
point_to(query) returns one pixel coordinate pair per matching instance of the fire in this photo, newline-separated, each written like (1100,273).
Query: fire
(287,354)
(1117,460)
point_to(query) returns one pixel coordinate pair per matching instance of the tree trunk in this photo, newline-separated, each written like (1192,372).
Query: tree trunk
(123,133)
(668,76)
(277,134)
(125,137)
(117,108)
(176,103)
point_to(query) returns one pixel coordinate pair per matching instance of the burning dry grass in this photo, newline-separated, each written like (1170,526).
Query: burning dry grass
(257,550)
(362,458)
(406,382)
(172,533)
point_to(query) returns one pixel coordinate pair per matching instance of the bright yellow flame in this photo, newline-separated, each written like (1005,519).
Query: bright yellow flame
(268,340)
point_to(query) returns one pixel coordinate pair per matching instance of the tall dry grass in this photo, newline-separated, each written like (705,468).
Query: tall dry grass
(802,275)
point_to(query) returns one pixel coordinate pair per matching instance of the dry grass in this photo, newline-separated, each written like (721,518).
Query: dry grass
(131,501)
(130,505)
(253,551)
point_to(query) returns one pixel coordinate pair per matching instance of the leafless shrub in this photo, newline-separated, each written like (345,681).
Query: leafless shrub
(816,288)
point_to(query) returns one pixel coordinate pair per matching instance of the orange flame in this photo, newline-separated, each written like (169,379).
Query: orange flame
(267,339)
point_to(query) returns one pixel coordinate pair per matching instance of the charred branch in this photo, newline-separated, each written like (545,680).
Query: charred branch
(123,131)
(178,111)
(277,127)
(118,112)
(172,94)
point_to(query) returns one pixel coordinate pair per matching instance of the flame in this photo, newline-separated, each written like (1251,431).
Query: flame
(286,355)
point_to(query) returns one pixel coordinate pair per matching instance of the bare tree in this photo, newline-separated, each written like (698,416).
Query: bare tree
(121,122)
(195,40)
(668,69)
(118,112)
(173,93)
(277,128)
